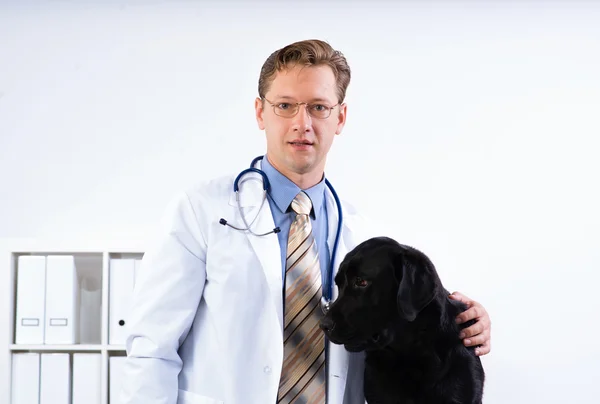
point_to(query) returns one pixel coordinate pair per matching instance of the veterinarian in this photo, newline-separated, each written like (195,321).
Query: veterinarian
(221,312)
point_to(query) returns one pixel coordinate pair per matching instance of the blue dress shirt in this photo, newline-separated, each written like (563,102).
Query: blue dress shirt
(280,196)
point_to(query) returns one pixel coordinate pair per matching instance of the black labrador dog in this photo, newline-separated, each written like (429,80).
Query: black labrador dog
(392,305)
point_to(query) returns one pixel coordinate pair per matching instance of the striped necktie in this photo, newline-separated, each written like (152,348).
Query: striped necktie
(303,374)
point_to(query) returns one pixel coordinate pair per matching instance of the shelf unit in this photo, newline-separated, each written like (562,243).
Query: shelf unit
(99,252)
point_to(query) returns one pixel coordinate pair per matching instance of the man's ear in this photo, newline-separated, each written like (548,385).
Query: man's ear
(341,118)
(418,283)
(259,111)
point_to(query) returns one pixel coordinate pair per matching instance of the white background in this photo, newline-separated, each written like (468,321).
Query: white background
(473,133)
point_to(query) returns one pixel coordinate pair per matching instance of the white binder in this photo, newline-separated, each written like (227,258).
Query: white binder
(121,281)
(55,380)
(62,303)
(115,375)
(137,269)
(31,287)
(87,369)
(25,386)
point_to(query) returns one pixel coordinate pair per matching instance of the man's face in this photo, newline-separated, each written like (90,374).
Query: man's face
(299,145)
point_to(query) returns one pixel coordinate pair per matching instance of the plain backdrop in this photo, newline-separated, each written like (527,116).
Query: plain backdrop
(473,133)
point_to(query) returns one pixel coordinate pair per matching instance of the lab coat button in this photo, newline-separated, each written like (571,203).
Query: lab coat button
(267,369)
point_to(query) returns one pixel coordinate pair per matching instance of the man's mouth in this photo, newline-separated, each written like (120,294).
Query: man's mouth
(301,143)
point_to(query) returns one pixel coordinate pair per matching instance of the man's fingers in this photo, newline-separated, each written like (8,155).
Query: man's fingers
(473,330)
(480,339)
(483,349)
(469,314)
(460,297)
(477,334)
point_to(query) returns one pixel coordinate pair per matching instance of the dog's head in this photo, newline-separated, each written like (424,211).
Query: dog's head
(380,283)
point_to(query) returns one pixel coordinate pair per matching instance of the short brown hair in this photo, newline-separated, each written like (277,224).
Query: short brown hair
(311,52)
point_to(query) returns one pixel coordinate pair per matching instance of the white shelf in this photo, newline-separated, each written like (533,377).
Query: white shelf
(115,348)
(67,348)
(101,252)
(57,348)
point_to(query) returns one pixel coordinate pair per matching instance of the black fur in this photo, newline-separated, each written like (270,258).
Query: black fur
(405,323)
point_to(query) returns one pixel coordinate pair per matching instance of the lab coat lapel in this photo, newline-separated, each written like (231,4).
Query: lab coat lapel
(338,356)
(267,247)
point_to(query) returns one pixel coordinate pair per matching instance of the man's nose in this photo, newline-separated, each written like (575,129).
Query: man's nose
(302,119)
(327,324)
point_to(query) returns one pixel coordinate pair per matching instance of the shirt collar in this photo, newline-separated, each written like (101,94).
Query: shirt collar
(283,190)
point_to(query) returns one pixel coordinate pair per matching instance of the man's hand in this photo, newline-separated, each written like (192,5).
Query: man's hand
(478,333)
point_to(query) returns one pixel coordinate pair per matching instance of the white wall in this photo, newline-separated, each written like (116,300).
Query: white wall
(473,134)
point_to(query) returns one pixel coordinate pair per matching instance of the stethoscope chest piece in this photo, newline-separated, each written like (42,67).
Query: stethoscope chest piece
(324,305)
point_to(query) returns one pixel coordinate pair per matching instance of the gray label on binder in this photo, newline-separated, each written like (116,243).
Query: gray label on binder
(30,322)
(61,322)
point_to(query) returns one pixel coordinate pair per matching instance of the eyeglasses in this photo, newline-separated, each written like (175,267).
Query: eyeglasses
(290,109)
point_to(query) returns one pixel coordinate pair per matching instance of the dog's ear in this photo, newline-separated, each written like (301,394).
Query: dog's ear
(418,283)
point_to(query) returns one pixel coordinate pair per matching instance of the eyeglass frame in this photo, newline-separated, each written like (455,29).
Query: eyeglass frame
(297,104)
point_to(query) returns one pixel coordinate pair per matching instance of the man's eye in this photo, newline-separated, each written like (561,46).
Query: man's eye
(283,105)
(361,283)
(319,108)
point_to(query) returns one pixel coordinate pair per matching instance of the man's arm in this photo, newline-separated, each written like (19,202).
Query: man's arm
(167,293)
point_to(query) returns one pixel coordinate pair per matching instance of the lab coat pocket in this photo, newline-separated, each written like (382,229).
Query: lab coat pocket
(186,397)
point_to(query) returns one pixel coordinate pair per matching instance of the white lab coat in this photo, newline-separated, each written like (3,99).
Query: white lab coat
(207,316)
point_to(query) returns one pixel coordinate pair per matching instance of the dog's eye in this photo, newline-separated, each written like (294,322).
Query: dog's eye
(361,283)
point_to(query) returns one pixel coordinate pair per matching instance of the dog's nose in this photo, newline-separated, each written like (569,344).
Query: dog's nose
(327,324)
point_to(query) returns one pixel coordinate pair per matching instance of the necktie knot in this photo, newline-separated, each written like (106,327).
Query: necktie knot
(301,204)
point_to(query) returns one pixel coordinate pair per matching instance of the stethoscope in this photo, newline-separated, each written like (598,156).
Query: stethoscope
(328,287)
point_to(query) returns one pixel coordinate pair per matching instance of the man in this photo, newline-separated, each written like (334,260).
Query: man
(221,315)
